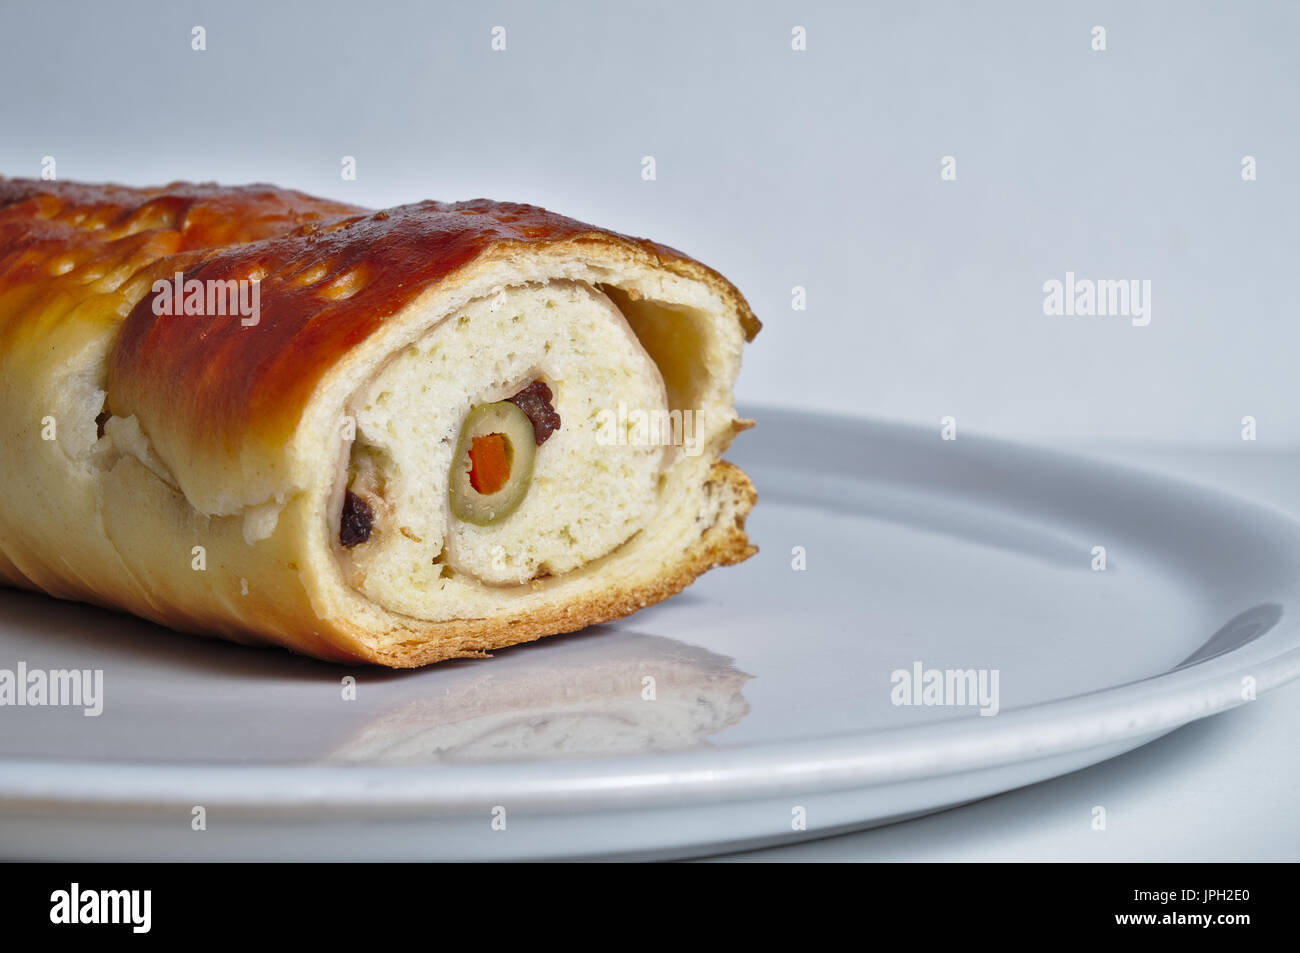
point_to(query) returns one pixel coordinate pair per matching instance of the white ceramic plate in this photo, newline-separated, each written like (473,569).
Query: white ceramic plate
(773,692)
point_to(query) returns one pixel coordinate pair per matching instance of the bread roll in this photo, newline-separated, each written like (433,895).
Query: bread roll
(250,413)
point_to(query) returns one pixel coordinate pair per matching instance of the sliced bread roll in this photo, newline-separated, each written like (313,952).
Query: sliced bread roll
(396,437)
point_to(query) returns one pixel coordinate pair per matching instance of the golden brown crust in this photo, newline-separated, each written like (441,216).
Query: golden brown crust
(93,224)
(77,263)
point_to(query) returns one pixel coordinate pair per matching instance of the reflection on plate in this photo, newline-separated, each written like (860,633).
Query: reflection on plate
(623,694)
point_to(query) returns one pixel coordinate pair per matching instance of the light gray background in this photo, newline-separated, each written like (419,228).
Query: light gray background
(818,168)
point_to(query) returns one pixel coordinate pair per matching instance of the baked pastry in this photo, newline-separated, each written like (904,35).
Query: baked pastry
(397,436)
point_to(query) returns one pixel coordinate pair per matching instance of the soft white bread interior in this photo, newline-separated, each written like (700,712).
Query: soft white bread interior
(592,489)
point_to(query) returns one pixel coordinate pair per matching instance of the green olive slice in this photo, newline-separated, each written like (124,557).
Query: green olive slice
(509,422)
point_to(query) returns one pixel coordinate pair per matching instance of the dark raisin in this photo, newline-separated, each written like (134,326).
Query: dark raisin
(99,424)
(357,519)
(535,401)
